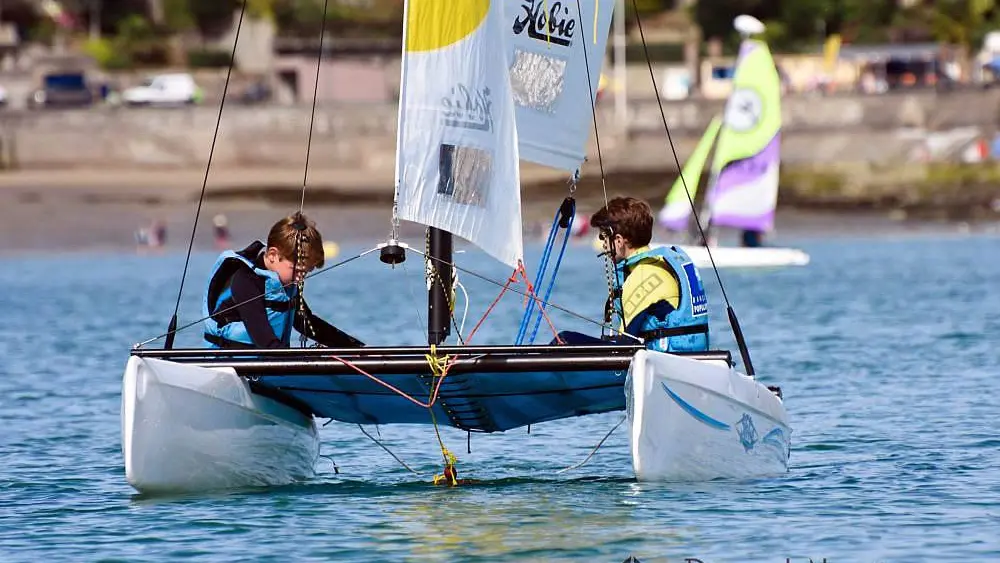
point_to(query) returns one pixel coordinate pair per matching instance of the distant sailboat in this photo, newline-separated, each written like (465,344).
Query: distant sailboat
(743,186)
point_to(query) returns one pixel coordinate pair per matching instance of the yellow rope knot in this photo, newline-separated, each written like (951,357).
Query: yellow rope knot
(439,369)
(450,475)
(438,364)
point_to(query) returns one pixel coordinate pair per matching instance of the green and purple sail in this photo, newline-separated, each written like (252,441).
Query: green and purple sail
(743,189)
(748,153)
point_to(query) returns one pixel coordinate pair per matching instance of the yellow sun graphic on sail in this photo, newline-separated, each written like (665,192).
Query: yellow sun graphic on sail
(433,24)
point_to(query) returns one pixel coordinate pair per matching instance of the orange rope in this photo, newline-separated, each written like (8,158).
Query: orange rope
(400,392)
(444,372)
(506,286)
(538,301)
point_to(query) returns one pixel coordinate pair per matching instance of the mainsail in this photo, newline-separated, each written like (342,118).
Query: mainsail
(675,212)
(456,148)
(747,156)
(551,46)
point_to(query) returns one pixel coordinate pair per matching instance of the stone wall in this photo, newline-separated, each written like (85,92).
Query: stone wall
(880,129)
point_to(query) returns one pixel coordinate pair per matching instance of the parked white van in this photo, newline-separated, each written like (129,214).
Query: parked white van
(164,89)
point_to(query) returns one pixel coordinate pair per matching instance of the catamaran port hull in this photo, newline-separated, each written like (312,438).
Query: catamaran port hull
(696,420)
(190,428)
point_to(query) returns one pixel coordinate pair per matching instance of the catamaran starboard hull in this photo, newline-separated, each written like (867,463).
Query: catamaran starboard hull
(189,428)
(696,420)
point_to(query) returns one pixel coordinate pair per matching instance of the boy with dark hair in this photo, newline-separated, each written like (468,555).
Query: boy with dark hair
(253,299)
(662,300)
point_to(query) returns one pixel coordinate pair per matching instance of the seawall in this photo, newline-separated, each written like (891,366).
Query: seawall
(839,144)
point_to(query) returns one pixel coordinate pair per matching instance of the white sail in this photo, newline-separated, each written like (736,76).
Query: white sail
(550,45)
(456,148)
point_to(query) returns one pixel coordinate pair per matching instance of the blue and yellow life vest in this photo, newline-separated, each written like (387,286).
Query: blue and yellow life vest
(685,328)
(223,326)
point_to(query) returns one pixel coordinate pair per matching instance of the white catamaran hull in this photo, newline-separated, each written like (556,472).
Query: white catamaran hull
(744,257)
(694,420)
(187,428)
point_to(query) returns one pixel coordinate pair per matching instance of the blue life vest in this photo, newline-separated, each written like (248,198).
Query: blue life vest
(223,326)
(685,329)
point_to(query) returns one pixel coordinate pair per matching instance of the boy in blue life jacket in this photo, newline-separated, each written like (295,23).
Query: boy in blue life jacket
(662,300)
(252,299)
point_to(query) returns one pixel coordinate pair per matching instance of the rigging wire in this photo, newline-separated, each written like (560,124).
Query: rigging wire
(299,223)
(572,189)
(526,294)
(733,322)
(593,451)
(543,266)
(555,270)
(172,327)
(608,256)
(593,101)
(312,115)
(169,334)
(387,450)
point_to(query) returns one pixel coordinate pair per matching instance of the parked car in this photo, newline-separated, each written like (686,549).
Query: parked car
(3,97)
(164,89)
(63,89)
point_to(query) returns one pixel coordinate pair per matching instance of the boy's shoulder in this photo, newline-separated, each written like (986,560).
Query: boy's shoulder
(251,252)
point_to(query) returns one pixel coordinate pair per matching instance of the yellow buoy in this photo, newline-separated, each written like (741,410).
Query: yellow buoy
(330,249)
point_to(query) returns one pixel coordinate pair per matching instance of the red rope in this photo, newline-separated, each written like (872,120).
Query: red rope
(538,301)
(444,372)
(400,392)
(506,286)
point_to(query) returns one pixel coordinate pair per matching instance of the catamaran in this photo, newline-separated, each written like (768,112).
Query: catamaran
(743,187)
(484,83)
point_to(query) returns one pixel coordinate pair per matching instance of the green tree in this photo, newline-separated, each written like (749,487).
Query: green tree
(962,23)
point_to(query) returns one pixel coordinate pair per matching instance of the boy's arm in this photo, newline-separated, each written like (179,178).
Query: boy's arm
(248,293)
(324,332)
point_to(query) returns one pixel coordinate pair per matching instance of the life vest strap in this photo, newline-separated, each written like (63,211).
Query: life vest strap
(659,333)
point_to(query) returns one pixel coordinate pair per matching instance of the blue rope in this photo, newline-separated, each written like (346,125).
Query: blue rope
(543,266)
(552,282)
(538,280)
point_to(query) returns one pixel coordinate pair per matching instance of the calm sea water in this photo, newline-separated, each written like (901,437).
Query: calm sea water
(887,351)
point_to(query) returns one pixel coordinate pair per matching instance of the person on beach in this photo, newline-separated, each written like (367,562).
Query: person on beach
(154,236)
(662,300)
(253,297)
(220,231)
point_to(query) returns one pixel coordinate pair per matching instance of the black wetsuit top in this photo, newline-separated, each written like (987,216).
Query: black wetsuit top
(247,289)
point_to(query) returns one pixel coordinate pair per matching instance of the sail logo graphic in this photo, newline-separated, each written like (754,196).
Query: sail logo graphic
(436,24)
(468,108)
(744,110)
(699,300)
(747,432)
(556,26)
